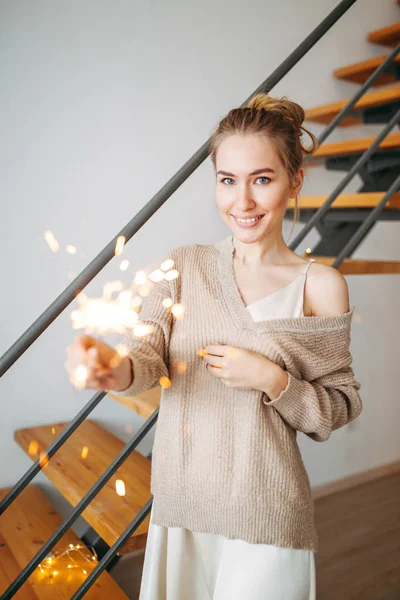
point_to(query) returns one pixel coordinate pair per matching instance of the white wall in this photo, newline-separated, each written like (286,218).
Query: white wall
(101,103)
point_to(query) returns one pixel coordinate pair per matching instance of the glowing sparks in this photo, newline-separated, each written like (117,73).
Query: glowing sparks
(144,290)
(167,264)
(167,303)
(124,265)
(43,459)
(202,352)
(119,246)
(51,240)
(171,275)
(71,249)
(181,368)
(178,310)
(117,311)
(156,276)
(111,287)
(140,278)
(79,376)
(308,251)
(101,315)
(120,487)
(165,382)
(85,452)
(53,431)
(142,330)
(136,302)
(33,448)
(121,352)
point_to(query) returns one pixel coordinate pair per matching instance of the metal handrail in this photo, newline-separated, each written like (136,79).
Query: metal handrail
(104,257)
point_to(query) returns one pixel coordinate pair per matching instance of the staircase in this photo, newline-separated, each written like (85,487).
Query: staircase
(31,519)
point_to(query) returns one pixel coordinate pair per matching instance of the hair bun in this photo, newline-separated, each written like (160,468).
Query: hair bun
(288,111)
(286,108)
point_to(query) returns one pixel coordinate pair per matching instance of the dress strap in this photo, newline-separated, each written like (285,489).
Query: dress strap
(307,266)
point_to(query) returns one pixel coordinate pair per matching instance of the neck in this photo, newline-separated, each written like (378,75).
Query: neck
(268,250)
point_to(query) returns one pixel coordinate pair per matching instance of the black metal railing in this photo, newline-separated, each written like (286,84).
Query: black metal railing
(55,309)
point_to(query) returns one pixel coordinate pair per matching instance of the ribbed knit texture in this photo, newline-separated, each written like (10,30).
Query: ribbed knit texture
(224,461)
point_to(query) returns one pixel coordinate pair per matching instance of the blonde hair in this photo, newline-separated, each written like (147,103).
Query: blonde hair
(279,120)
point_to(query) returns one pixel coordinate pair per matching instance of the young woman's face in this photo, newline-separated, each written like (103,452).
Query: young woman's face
(252,186)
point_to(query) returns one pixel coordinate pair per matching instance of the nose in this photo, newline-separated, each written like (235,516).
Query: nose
(244,200)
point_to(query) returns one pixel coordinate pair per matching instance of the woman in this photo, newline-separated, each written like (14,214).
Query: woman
(265,346)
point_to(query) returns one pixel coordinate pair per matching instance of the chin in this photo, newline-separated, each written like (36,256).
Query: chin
(248,236)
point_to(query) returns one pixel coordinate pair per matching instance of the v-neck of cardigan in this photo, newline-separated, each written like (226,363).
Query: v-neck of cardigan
(243,318)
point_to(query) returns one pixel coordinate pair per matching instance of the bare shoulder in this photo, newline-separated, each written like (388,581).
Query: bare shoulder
(326,292)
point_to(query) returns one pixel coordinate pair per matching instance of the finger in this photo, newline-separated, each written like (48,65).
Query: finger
(214,361)
(217,372)
(215,349)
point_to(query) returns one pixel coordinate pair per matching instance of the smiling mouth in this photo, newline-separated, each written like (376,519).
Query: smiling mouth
(247,221)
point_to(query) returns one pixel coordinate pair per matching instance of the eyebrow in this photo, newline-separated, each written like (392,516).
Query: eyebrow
(264,170)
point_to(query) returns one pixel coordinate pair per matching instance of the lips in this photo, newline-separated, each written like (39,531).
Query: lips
(247,222)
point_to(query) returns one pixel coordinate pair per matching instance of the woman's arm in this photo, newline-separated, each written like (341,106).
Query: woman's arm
(314,407)
(318,407)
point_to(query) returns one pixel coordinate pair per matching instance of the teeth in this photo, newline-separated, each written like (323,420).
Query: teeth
(247,220)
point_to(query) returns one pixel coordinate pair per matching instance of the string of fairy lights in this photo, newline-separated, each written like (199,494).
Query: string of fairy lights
(52,567)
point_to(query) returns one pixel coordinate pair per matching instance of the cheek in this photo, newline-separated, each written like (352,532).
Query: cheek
(224,202)
(272,199)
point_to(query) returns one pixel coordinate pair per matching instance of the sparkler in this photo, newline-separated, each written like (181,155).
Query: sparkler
(117,311)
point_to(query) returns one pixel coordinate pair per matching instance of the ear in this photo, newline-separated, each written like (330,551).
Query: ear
(297,182)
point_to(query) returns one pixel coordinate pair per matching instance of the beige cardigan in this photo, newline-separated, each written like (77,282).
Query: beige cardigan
(224,461)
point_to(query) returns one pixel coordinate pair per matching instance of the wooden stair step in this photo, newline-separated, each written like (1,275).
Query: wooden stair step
(108,514)
(144,405)
(359,72)
(354,146)
(352,266)
(326,113)
(387,36)
(364,200)
(24,527)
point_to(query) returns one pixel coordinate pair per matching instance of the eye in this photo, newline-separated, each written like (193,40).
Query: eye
(263,177)
(225,178)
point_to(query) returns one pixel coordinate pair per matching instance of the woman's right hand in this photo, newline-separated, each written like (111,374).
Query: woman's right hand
(94,364)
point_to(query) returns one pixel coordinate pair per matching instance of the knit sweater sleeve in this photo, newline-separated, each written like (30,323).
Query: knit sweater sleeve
(322,405)
(149,354)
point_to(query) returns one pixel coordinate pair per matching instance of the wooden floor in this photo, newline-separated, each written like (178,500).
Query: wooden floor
(359,542)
